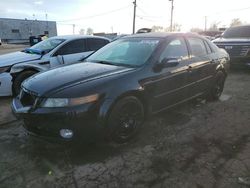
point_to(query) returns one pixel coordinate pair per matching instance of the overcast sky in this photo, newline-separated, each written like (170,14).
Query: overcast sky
(116,15)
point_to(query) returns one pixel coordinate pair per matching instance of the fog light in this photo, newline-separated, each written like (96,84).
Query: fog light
(66,133)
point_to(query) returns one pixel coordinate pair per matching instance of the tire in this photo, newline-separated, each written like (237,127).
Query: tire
(218,86)
(19,80)
(125,119)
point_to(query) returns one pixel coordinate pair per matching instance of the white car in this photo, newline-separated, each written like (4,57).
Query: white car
(0,42)
(55,51)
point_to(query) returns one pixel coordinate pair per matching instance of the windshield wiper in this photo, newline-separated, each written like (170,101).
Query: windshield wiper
(112,63)
(104,62)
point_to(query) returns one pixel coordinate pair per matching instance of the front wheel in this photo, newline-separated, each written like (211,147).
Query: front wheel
(125,119)
(19,80)
(218,86)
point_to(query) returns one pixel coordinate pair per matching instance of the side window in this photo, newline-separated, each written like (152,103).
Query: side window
(209,51)
(177,48)
(73,47)
(197,47)
(95,44)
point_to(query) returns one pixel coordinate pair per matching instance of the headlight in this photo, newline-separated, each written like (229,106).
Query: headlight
(4,69)
(64,102)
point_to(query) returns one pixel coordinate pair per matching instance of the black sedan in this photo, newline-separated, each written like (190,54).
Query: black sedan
(118,86)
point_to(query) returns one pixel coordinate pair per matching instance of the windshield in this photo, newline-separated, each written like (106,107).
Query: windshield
(237,32)
(125,52)
(45,46)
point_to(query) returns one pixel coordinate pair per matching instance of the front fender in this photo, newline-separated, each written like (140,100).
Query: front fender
(28,66)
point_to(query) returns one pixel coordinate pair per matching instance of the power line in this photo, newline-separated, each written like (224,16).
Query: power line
(141,17)
(226,11)
(96,15)
(134,16)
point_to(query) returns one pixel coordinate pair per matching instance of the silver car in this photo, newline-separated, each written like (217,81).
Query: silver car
(55,51)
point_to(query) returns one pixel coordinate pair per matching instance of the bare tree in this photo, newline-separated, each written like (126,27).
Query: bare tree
(175,27)
(214,26)
(90,31)
(195,30)
(235,22)
(157,28)
(82,31)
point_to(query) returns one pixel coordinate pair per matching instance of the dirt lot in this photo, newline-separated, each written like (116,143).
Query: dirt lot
(7,48)
(199,145)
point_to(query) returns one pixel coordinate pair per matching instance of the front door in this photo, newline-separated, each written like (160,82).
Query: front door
(69,53)
(168,87)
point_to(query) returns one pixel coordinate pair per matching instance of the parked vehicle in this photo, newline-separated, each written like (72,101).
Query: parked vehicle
(0,41)
(111,93)
(18,66)
(236,41)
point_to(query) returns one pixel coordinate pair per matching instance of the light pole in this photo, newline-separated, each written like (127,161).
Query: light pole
(205,23)
(134,16)
(73,28)
(172,12)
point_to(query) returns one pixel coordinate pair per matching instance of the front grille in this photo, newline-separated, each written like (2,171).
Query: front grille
(236,50)
(26,98)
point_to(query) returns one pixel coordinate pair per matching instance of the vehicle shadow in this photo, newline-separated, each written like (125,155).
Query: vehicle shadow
(46,155)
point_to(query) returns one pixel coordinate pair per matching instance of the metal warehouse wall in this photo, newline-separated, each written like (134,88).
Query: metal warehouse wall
(16,29)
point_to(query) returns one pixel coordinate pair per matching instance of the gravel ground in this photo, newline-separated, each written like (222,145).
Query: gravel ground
(199,145)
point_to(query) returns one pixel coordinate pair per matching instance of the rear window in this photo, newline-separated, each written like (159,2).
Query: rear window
(95,44)
(237,32)
(197,47)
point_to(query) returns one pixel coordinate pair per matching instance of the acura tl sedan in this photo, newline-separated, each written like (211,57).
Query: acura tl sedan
(111,93)
(55,51)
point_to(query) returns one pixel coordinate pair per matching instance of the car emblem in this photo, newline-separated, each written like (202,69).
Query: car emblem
(228,47)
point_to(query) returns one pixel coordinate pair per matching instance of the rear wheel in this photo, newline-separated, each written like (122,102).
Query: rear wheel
(19,80)
(218,86)
(125,119)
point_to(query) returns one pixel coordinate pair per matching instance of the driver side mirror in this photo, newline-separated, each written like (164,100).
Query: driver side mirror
(166,63)
(60,59)
(170,62)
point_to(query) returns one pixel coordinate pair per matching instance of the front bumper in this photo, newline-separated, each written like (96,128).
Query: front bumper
(47,122)
(240,62)
(5,84)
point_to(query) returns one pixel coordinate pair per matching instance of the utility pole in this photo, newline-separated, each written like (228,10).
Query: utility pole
(172,13)
(134,16)
(47,25)
(205,23)
(73,28)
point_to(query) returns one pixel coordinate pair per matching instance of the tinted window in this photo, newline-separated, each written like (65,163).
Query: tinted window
(197,47)
(175,49)
(213,47)
(95,44)
(209,51)
(237,32)
(73,47)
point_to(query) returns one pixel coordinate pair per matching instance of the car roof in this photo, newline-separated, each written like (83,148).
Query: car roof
(161,35)
(71,37)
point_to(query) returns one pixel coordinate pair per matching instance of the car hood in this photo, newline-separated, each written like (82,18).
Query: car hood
(17,57)
(232,40)
(57,79)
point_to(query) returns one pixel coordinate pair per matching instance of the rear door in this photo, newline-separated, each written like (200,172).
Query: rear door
(201,68)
